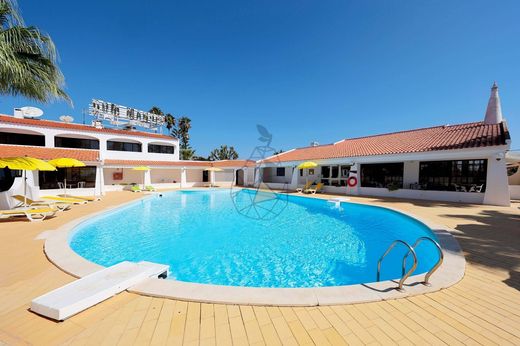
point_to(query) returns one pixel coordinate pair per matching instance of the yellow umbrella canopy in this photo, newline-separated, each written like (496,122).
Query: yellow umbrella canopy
(141,168)
(65,162)
(26,164)
(307,164)
(213,169)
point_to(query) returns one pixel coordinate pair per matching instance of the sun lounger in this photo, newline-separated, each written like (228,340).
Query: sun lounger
(31,214)
(305,187)
(35,203)
(315,189)
(135,188)
(150,188)
(86,198)
(65,199)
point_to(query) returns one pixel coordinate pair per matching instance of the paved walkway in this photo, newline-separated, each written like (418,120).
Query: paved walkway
(484,308)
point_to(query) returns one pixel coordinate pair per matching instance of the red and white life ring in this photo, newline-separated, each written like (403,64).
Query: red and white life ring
(352,181)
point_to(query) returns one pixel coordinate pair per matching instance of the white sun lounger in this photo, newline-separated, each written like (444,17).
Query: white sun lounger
(92,289)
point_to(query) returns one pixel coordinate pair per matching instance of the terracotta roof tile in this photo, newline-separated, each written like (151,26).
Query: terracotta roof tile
(449,137)
(48,153)
(222,164)
(79,127)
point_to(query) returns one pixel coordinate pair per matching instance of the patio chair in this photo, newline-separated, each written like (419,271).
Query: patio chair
(61,206)
(31,214)
(305,187)
(150,188)
(81,185)
(135,188)
(476,188)
(317,188)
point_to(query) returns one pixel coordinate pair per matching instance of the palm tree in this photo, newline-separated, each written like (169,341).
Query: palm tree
(170,122)
(182,131)
(156,110)
(223,153)
(28,59)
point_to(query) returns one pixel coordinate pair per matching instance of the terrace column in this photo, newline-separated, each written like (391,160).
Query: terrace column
(497,186)
(258,176)
(100,181)
(183,177)
(211,178)
(294,178)
(355,172)
(148,177)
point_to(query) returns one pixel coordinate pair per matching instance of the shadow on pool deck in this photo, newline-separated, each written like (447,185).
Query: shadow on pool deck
(489,238)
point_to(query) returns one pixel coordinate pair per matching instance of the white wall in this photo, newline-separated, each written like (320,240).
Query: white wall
(129,176)
(165,176)
(410,173)
(103,137)
(497,188)
(271,177)
(225,176)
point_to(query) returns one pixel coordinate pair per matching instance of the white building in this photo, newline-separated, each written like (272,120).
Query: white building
(457,163)
(109,155)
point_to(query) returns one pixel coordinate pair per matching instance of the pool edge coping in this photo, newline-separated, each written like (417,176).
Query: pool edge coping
(58,251)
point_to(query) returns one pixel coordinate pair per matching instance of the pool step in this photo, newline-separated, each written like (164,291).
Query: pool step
(92,289)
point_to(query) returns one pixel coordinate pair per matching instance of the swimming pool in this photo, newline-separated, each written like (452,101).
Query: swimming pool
(301,242)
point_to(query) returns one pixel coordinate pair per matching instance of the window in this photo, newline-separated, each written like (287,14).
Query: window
(74,176)
(301,172)
(280,171)
(161,149)
(80,143)
(459,175)
(335,175)
(22,139)
(123,146)
(382,174)
(205,176)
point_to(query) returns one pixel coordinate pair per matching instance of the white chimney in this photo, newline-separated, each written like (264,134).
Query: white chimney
(18,113)
(494,109)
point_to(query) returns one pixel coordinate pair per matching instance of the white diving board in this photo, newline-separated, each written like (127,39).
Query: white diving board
(94,288)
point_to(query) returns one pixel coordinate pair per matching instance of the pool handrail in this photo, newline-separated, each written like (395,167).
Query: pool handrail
(405,275)
(437,265)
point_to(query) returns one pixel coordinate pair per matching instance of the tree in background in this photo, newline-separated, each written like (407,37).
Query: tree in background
(182,132)
(169,119)
(28,59)
(223,153)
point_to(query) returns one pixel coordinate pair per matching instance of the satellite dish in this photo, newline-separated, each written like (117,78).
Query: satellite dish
(66,118)
(31,112)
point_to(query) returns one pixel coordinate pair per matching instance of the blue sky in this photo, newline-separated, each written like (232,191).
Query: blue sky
(306,70)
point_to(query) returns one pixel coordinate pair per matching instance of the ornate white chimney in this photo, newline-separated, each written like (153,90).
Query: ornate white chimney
(494,109)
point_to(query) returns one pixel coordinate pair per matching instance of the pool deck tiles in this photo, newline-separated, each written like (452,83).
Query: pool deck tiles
(483,308)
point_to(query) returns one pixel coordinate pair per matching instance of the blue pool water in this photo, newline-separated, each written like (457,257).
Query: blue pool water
(282,241)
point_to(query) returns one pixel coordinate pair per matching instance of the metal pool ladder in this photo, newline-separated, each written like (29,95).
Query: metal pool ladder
(411,250)
(405,275)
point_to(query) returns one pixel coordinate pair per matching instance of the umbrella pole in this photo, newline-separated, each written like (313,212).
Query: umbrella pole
(65,185)
(25,188)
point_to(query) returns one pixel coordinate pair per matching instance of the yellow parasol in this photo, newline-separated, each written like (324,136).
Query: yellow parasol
(65,162)
(307,165)
(141,168)
(25,164)
(213,169)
